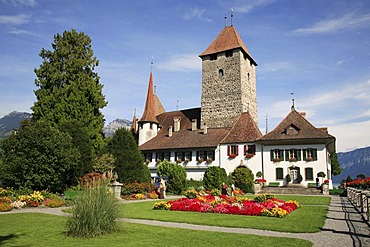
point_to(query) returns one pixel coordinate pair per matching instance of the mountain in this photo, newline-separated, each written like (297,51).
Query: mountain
(116,124)
(353,163)
(11,122)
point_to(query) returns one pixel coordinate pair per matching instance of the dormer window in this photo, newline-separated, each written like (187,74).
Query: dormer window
(291,130)
(221,72)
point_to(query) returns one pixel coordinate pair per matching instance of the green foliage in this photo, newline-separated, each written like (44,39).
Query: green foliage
(104,163)
(243,178)
(39,157)
(263,197)
(361,176)
(213,178)
(321,174)
(68,87)
(175,174)
(336,169)
(288,179)
(259,174)
(94,213)
(137,188)
(191,183)
(129,163)
(349,179)
(81,140)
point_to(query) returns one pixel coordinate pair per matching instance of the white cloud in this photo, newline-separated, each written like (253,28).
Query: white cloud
(20,3)
(23,32)
(351,136)
(346,22)
(248,6)
(196,13)
(14,19)
(274,67)
(182,62)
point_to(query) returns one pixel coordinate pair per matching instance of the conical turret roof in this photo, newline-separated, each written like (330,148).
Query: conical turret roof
(149,114)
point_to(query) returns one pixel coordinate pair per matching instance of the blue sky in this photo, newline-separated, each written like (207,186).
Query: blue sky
(318,50)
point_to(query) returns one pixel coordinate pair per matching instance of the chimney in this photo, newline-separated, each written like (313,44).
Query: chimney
(176,124)
(170,131)
(194,124)
(303,114)
(205,129)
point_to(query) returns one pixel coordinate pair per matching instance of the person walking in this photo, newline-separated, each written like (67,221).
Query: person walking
(224,189)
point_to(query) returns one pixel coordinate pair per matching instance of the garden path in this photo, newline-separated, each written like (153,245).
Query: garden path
(344,226)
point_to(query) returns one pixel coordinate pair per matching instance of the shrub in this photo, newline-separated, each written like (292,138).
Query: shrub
(191,194)
(243,178)
(263,197)
(54,203)
(213,178)
(193,183)
(216,192)
(137,188)
(94,213)
(4,207)
(176,175)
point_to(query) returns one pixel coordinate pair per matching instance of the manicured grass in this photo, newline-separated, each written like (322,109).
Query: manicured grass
(308,218)
(31,229)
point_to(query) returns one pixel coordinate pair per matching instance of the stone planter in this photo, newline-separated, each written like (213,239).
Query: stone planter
(325,189)
(257,188)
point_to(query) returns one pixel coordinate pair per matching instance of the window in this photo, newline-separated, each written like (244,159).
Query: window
(213,57)
(151,126)
(310,154)
(276,155)
(292,155)
(210,155)
(159,157)
(232,151)
(188,155)
(308,173)
(148,157)
(201,156)
(221,72)
(167,156)
(279,173)
(179,156)
(229,53)
(291,130)
(249,149)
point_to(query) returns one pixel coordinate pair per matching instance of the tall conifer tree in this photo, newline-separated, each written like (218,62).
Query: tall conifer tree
(68,88)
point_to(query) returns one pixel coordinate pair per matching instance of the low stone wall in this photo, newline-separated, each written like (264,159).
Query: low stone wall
(360,199)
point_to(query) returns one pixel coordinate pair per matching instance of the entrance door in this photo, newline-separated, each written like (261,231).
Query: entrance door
(294,174)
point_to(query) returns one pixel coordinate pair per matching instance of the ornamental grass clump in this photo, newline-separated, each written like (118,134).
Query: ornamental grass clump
(94,213)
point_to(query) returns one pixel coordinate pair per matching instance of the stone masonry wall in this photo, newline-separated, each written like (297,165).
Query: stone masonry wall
(225,97)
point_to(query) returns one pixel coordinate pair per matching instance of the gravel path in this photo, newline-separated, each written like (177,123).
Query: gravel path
(344,226)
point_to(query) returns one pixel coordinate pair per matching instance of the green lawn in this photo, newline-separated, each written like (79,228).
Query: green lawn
(32,229)
(310,217)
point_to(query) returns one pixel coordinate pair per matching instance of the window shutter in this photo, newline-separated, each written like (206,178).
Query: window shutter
(304,154)
(299,154)
(286,154)
(197,155)
(175,156)
(271,155)
(245,149)
(228,150)
(237,150)
(314,153)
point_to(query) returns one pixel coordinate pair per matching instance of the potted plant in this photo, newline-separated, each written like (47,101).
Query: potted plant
(293,159)
(209,160)
(248,155)
(232,156)
(275,160)
(288,179)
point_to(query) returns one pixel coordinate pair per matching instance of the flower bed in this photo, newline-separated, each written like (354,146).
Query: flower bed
(270,207)
(359,183)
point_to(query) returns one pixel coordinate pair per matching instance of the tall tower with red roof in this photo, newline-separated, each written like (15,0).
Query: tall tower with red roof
(228,81)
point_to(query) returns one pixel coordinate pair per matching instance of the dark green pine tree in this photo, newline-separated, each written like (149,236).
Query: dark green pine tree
(68,88)
(336,169)
(129,163)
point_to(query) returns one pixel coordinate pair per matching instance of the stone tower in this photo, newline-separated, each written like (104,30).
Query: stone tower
(228,81)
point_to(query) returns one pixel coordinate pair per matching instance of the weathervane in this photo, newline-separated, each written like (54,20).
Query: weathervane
(177,105)
(292,100)
(225,19)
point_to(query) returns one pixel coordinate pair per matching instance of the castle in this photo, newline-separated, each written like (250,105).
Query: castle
(223,131)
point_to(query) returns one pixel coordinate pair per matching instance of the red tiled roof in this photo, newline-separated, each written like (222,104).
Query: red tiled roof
(227,39)
(243,130)
(159,109)
(304,129)
(149,114)
(185,137)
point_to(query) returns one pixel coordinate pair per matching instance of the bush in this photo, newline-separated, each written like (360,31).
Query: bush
(243,178)
(4,207)
(191,194)
(94,213)
(175,174)
(190,183)
(54,202)
(137,188)
(214,177)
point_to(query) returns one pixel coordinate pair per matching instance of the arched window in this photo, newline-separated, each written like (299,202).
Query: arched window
(221,72)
